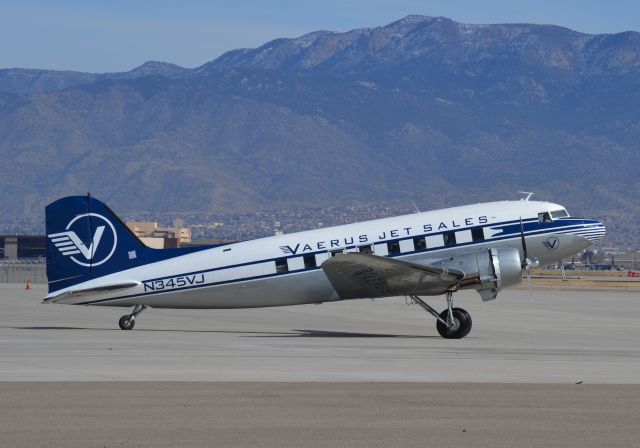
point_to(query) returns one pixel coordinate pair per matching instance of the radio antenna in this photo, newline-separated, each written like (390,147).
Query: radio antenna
(527,194)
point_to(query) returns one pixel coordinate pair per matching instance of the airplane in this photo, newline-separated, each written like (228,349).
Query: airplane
(94,259)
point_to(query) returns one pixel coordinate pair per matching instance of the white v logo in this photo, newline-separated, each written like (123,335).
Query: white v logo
(69,243)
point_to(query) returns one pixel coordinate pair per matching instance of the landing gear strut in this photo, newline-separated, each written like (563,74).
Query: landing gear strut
(453,323)
(128,321)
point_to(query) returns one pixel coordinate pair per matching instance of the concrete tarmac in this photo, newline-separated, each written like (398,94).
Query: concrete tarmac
(562,337)
(561,371)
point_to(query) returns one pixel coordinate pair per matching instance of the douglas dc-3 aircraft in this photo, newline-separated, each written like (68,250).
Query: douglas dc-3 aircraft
(93,259)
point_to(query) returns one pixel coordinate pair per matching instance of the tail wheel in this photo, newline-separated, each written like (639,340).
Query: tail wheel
(461,324)
(126,322)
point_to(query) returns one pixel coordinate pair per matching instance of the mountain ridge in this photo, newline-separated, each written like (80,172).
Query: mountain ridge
(24,80)
(233,59)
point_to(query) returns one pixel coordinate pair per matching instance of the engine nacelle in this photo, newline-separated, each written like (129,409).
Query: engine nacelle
(488,271)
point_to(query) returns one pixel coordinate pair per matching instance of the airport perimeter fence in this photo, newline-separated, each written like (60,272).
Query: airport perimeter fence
(19,271)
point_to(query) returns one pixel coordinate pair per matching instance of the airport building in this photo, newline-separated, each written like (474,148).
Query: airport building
(13,247)
(627,261)
(161,237)
(22,258)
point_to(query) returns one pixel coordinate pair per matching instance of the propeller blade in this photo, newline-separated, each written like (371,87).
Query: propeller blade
(524,245)
(526,263)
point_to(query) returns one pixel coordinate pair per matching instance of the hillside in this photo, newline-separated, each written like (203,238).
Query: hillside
(423,109)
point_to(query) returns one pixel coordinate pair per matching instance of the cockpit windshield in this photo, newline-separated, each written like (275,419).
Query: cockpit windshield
(562,213)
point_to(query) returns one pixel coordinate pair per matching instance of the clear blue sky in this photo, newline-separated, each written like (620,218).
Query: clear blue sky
(118,35)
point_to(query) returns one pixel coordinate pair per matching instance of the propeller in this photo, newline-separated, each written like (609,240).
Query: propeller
(526,263)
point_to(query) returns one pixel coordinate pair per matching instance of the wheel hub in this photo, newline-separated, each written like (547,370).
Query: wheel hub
(454,325)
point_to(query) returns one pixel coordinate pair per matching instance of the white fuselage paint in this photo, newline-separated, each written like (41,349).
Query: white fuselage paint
(244,274)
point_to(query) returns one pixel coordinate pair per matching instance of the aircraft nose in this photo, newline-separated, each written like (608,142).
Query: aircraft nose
(593,231)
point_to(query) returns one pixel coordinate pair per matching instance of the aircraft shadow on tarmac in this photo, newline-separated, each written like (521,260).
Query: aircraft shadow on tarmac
(264,334)
(53,328)
(344,334)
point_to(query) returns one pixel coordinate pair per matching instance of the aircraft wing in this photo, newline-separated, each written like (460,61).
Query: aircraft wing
(357,275)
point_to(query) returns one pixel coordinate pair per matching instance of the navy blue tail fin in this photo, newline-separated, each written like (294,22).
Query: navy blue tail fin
(85,239)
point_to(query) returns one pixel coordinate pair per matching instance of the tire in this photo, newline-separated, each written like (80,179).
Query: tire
(126,322)
(464,324)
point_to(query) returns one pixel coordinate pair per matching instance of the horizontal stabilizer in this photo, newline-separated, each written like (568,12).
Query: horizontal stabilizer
(90,291)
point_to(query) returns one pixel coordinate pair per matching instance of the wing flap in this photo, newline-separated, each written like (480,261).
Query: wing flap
(357,275)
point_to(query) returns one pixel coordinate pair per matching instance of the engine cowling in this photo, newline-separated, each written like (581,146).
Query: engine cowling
(488,271)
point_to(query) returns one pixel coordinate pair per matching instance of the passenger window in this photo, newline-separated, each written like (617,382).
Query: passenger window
(449,239)
(419,243)
(281,265)
(366,249)
(477,234)
(309,261)
(393,247)
(336,252)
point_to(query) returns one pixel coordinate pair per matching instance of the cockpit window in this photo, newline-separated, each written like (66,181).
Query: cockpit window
(550,216)
(556,214)
(544,217)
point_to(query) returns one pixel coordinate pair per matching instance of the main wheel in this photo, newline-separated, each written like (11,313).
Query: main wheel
(126,322)
(461,324)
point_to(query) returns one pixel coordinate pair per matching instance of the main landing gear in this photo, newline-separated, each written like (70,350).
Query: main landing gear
(128,321)
(453,323)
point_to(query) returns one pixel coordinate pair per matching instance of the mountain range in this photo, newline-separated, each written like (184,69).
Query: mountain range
(424,109)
